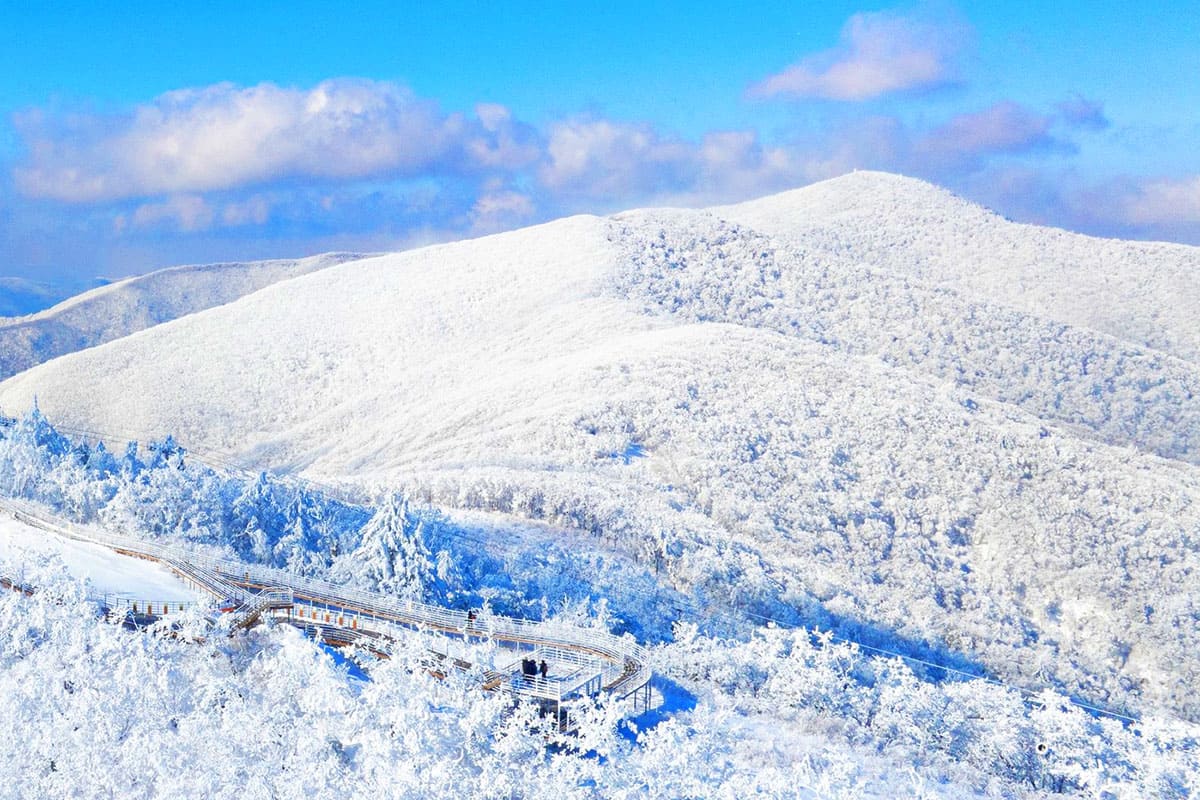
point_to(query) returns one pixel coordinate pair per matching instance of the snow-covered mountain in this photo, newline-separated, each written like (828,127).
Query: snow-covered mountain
(124,307)
(20,296)
(837,403)
(1142,292)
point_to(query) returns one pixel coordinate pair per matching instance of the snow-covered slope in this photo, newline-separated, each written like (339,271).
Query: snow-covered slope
(773,427)
(106,572)
(1143,292)
(119,309)
(19,296)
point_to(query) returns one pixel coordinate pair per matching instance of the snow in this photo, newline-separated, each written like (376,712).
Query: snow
(108,573)
(868,406)
(124,307)
(1141,292)
(97,711)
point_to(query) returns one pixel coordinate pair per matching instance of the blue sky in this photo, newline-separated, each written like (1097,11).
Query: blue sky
(135,136)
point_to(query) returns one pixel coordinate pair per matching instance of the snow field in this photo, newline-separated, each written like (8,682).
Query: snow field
(814,440)
(865,406)
(834,706)
(105,572)
(97,711)
(1138,292)
(125,307)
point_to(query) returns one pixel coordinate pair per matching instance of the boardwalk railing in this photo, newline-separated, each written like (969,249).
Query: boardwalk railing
(263,603)
(617,664)
(121,604)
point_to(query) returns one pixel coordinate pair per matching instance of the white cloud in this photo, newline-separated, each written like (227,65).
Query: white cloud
(630,163)
(255,210)
(737,165)
(223,136)
(1164,201)
(1005,127)
(370,160)
(605,159)
(190,213)
(503,143)
(184,212)
(498,209)
(879,53)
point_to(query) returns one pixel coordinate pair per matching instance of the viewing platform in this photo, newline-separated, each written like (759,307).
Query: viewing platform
(551,663)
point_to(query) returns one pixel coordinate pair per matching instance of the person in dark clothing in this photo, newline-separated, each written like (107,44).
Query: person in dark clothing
(543,668)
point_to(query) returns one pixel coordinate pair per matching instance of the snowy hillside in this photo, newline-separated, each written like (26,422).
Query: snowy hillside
(103,571)
(19,296)
(119,309)
(97,712)
(773,712)
(1142,292)
(776,421)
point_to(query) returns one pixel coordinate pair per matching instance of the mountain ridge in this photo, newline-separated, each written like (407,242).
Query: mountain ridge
(801,434)
(123,307)
(1137,291)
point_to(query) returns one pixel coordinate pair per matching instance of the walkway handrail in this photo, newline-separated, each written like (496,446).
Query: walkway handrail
(115,602)
(630,669)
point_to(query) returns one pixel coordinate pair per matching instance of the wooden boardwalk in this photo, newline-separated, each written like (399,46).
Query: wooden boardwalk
(587,661)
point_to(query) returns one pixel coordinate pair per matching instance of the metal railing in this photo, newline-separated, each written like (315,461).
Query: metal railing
(121,604)
(624,664)
(263,602)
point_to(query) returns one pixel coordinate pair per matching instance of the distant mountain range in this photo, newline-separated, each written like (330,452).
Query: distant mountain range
(19,296)
(866,401)
(118,309)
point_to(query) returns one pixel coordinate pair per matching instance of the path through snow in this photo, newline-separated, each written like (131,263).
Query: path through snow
(108,572)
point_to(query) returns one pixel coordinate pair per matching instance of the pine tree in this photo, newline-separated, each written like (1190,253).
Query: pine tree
(257,521)
(299,549)
(392,553)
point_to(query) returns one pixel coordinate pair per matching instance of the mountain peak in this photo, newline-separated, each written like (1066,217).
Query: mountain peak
(862,192)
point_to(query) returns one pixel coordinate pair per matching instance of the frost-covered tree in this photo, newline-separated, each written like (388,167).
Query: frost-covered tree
(302,548)
(392,553)
(255,516)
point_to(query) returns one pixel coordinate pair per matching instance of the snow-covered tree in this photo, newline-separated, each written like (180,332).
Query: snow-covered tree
(392,553)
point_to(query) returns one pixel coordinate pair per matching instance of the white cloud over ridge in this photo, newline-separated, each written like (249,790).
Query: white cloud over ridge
(372,162)
(1004,127)
(499,208)
(609,161)
(604,158)
(223,136)
(1163,201)
(879,53)
(187,212)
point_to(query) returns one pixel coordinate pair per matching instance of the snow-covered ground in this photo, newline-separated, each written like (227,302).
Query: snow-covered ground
(1139,292)
(880,452)
(128,306)
(105,572)
(96,711)
(864,406)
